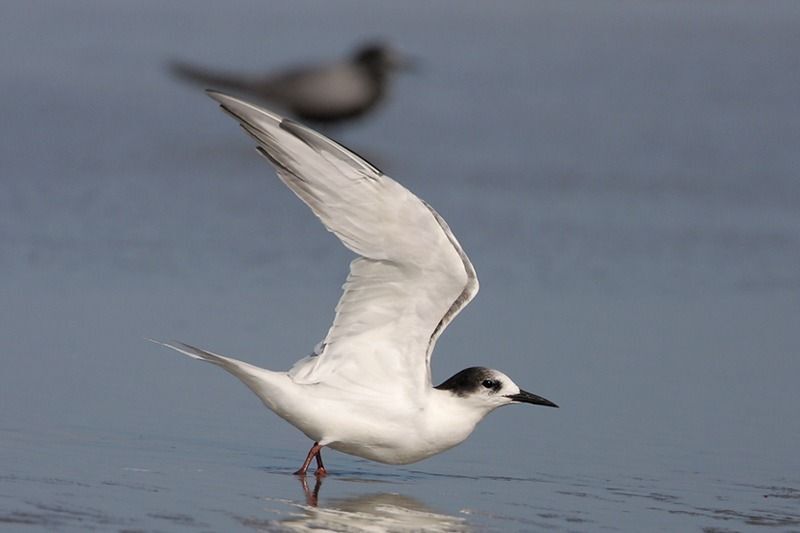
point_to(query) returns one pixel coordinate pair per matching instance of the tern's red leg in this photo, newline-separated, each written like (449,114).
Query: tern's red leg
(314,451)
(321,470)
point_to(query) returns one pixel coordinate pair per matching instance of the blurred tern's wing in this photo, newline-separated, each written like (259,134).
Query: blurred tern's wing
(411,280)
(325,91)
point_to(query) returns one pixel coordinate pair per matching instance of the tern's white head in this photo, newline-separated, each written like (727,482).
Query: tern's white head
(488,389)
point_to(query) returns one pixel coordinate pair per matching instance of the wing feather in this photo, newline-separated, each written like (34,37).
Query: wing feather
(411,280)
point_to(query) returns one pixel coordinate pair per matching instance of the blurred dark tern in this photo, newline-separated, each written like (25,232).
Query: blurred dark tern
(330,93)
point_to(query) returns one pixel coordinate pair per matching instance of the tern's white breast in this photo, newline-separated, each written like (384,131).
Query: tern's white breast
(381,427)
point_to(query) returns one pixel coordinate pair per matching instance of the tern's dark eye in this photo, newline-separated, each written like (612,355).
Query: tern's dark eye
(489,383)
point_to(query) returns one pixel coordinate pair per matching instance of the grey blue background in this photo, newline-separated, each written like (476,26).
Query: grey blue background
(623,175)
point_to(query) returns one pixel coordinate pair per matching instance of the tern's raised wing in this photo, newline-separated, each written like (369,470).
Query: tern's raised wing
(412,277)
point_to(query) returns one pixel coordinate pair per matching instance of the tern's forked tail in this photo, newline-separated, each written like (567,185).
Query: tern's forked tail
(260,380)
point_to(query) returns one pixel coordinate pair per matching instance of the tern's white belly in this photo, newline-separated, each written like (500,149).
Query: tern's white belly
(381,428)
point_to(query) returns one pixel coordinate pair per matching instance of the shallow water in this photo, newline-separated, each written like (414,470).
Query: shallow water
(624,176)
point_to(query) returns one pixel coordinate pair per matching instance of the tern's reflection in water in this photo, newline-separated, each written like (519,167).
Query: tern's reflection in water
(312,496)
(369,512)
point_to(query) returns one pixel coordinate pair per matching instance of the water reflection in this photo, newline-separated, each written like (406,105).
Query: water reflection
(380,511)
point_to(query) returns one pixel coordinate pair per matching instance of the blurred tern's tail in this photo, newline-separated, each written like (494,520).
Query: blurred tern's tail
(209,78)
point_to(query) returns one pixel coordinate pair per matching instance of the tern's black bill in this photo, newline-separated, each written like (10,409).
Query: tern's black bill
(527,397)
